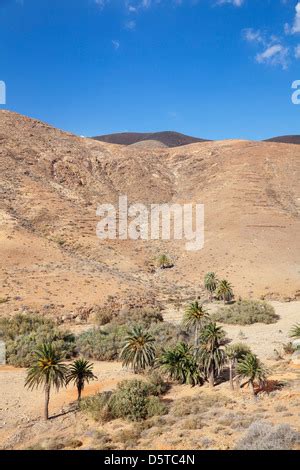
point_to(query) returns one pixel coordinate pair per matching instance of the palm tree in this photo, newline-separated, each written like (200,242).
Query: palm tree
(234,353)
(138,350)
(295,331)
(251,368)
(211,355)
(179,364)
(194,317)
(164,262)
(210,283)
(80,371)
(225,291)
(47,371)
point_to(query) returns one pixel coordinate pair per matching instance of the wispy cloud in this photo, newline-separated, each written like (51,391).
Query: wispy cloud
(101,3)
(276,54)
(252,35)
(236,3)
(277,50)
(115,44)
(130,25)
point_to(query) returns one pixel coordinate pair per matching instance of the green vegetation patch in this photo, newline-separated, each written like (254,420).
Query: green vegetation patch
(24,333)
(246,312)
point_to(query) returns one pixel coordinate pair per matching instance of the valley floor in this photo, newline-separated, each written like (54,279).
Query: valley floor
(223,420)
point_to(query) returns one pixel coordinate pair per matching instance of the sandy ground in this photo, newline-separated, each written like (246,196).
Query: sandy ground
(19,404)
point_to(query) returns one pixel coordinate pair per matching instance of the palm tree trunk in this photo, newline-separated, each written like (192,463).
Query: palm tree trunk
(79,389)
(47,398)
(231,375)
(251,385)
(196,336)
(211,379)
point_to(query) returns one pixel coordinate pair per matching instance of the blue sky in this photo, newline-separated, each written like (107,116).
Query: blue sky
(211,68)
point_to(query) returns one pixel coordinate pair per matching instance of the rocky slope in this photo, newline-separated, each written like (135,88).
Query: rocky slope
(51,183)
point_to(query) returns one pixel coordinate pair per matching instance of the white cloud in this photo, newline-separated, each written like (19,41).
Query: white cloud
(295,28)
(297,51)
(252,35)
(276,54)
(236,3)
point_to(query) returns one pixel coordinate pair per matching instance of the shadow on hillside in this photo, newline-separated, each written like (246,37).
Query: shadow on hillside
(73,408)
(269,386)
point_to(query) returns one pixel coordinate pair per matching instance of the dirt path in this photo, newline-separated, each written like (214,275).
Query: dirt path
(19,406)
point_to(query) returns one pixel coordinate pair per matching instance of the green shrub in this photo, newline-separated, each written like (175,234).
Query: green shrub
(143,317)
(102,344)
(22,324)
(97,406)
(130,400)
(155,407)
(167,335)
(158,383)
(24,333)
(246,312)
(106,343)
(102,317)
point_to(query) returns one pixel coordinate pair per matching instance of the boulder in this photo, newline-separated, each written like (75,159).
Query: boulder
(296,343)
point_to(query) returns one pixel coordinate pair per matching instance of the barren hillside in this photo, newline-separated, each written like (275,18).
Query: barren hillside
(51,183)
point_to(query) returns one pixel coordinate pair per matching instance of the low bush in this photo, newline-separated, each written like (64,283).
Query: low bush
(193,423)
(167,335)
(102,344)
(24,333)
(155,407)
(158,385)
(128,437)
(199,404)
(132,400)
(97,406)
(246,312)
(105,344)
(235,420)
(57,443)
(144,317)
(264,436)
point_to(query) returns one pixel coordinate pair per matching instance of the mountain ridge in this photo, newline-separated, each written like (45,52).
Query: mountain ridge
(168,138)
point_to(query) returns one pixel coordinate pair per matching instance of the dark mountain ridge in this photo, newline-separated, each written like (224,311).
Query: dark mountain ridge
(168,138)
